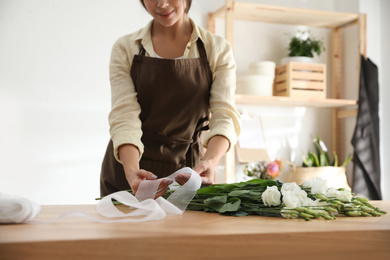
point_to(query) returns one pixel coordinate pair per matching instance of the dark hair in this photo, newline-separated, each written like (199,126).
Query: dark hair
(189,2)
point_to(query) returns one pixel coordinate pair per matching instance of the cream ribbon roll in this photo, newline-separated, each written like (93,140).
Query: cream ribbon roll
(16,209)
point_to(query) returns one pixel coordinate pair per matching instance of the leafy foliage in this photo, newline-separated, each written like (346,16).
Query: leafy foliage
(245,198)
(321,156)
(305,47)
(235,199)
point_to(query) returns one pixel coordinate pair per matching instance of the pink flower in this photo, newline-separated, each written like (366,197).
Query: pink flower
(273,169)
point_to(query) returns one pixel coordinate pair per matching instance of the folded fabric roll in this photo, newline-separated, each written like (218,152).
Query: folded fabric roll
(15,209)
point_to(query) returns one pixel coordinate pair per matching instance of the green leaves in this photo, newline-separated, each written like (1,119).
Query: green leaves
(321,156)
(222,204)
(305,47)
(349,157)
(216,202)
(232,205)
(237,193)
(235,199)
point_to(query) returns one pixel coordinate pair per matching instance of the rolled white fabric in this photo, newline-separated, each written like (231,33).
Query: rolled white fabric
(16,209)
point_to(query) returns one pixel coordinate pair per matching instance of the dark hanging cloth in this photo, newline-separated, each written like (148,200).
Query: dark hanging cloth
(365,140)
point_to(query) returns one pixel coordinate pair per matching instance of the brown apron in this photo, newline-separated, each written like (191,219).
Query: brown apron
(174,98)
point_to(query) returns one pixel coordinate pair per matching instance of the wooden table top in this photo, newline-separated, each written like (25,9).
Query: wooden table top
(195,235)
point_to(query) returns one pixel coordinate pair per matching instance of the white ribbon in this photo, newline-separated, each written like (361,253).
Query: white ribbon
(16,209)
(144,202)
(21,210)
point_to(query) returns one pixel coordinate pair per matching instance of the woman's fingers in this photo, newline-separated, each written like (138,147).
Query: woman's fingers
(182,178)
(206,181)
(163,187)
(136,177)
(146,175)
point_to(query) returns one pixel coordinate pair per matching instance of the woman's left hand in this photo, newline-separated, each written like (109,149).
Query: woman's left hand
(205,170)
(216,148)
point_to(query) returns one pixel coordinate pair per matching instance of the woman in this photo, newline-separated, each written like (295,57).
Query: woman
(165,81)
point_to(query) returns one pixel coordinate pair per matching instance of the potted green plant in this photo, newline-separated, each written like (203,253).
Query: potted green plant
(321,164)
(303,47)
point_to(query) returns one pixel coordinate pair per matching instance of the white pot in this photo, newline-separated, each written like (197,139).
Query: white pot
(257,85)
(297,59)
(335,176)
(264,68)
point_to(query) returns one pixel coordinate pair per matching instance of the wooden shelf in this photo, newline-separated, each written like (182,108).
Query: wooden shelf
(288,101)
(336,22)
(287,15)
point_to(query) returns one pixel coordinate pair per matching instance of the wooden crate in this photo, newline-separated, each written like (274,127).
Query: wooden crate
(301,80)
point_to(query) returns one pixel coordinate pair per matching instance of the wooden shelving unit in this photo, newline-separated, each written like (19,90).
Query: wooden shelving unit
(334,21)
(287,101)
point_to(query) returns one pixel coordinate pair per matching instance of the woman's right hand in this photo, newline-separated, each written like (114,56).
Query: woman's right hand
(136,177)
(129,155)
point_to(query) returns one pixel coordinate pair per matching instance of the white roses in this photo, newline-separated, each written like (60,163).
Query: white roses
(293,196)
(271,196)
(343,195)
(320,186)
(317,185)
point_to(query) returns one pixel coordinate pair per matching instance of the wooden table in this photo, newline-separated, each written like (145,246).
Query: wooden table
(198,235)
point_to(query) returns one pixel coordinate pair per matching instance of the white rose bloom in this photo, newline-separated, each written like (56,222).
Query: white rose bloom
(308,183)
(317,185)
(290,187)
(332,192)
(290,200)
(344,195)
(301,195)
(271,196)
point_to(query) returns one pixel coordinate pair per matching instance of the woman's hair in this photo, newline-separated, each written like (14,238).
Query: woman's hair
(189,2)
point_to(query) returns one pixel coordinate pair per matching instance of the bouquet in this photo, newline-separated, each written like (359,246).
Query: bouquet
(311,200)
(273,198)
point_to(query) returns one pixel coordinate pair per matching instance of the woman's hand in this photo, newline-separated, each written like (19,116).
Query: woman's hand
(136,177)
(216,148)
(206,170)
(129,155)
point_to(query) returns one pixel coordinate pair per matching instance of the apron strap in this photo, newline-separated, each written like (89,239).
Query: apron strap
(142,51)
(202,50)
(190,157)
(199,43)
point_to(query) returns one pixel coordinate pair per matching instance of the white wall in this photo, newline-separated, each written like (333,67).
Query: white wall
(55,95)
(378,41)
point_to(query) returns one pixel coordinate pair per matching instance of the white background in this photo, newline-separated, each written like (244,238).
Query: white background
(55,93)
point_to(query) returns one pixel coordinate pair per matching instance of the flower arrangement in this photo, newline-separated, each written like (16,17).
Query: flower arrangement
(263,170)
(311,200)
(303,44)
(273,198)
